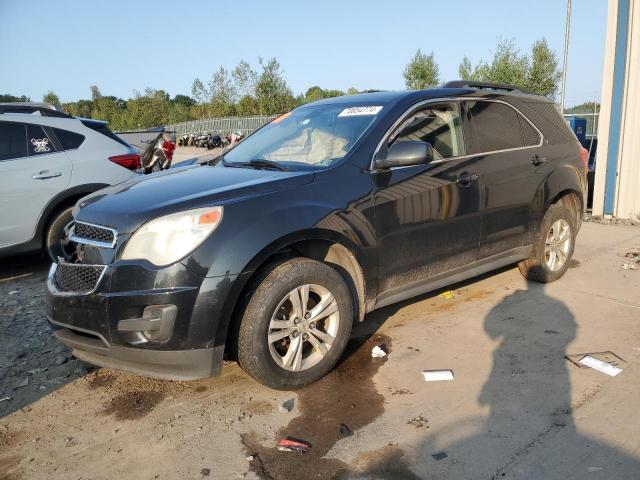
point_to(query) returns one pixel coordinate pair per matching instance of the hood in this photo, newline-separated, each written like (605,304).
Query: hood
(128,205)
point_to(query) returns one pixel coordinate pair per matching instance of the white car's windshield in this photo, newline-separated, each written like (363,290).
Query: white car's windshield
(308,137)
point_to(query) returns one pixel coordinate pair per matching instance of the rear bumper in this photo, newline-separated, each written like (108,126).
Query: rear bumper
(166,364)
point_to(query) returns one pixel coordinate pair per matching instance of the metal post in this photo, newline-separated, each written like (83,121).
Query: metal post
(565,56)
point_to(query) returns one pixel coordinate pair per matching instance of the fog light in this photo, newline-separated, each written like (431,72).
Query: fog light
(155,325)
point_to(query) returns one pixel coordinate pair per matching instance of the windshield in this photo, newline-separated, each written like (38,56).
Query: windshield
(309,137)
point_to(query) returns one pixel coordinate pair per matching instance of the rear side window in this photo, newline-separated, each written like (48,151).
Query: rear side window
(38,141)
(440,125)
(13,140)
(497,126)
(68,140)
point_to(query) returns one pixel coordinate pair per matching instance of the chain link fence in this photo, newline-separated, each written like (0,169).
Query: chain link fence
(221,125)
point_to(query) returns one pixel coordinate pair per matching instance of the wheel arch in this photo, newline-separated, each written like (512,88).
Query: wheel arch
(63,200)
(323,245)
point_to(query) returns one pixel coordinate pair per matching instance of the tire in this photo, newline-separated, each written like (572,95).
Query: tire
(278,284)
(540,266)
(56,237)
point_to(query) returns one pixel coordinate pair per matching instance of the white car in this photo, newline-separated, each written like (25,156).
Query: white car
(48,161)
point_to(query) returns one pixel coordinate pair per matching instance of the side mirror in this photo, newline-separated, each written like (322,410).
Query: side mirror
(404,154)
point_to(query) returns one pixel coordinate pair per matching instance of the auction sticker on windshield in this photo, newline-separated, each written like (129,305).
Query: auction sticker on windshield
(365,110)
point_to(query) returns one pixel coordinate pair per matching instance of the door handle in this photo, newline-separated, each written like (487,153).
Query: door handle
(537,161)
(44,174)
(465,179)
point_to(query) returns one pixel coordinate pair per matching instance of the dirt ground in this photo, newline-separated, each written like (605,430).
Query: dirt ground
(516,409)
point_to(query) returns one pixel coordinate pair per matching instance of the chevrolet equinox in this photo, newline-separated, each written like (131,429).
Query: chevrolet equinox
(330,211)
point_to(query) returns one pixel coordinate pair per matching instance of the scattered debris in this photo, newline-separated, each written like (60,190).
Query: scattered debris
(437,375)
(419,422)
(439,456)
(630,266)
(551,332)
(448,295)
(249,458)
(4,399)
(205,472)
(13,292)
(594,469)
(23,383)
(378,352)
(607,357)
(290,444)
(345,431)
(71,441)
(601,366)
(286,406)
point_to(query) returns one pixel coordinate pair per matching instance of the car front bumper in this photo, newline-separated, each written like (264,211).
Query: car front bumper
(98,325)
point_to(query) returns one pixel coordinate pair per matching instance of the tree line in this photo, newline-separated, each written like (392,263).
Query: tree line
(245,91)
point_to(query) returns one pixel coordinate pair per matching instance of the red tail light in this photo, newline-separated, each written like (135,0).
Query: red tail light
(168,149)
(584,157)
(130,161)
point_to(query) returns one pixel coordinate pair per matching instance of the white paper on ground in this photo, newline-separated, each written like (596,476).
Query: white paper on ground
(377,352)
(601,366)
(437,375)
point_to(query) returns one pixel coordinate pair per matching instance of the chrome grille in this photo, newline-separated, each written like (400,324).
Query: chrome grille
(93,234)
(78,278)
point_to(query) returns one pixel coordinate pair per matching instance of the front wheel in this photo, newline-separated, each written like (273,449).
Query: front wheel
(296,324)
(57,241)
(553,247)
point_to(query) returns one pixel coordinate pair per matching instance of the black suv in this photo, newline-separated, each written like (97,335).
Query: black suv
(330,211)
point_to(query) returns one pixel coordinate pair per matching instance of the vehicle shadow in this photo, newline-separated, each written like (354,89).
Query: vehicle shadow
(529,431)
(32,362)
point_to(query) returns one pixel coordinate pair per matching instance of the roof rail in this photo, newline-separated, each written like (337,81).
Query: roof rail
(44,110)
(488,86)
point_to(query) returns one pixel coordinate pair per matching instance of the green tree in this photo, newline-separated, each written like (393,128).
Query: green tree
(95,92)
(586,107)
(244,78)
(352,91)
(183,100)
(52,98)
(200,92)
(538,72)
(544,75)
(223,93)
(421,72)
(272,92)
(7,97)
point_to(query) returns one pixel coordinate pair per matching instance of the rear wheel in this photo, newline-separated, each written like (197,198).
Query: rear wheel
(57,242)
(296,324)
(553,247)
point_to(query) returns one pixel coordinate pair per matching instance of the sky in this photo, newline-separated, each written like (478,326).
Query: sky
(122,46)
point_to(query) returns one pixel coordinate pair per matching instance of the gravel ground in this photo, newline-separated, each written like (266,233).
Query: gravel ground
(32,362)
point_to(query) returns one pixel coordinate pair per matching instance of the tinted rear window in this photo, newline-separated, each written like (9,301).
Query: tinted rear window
(13,140)
(68,140)
(496,126)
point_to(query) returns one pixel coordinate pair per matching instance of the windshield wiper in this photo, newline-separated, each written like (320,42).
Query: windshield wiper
(257,163)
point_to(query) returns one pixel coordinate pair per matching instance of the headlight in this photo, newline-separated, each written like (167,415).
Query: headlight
(167,239)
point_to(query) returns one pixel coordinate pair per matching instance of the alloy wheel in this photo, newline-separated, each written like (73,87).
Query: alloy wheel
(557,245)
(303,327)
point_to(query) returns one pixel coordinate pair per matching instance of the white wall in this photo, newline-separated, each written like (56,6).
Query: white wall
(627,193)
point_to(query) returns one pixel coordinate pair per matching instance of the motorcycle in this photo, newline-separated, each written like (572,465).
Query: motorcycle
(159,153)
(214,141)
